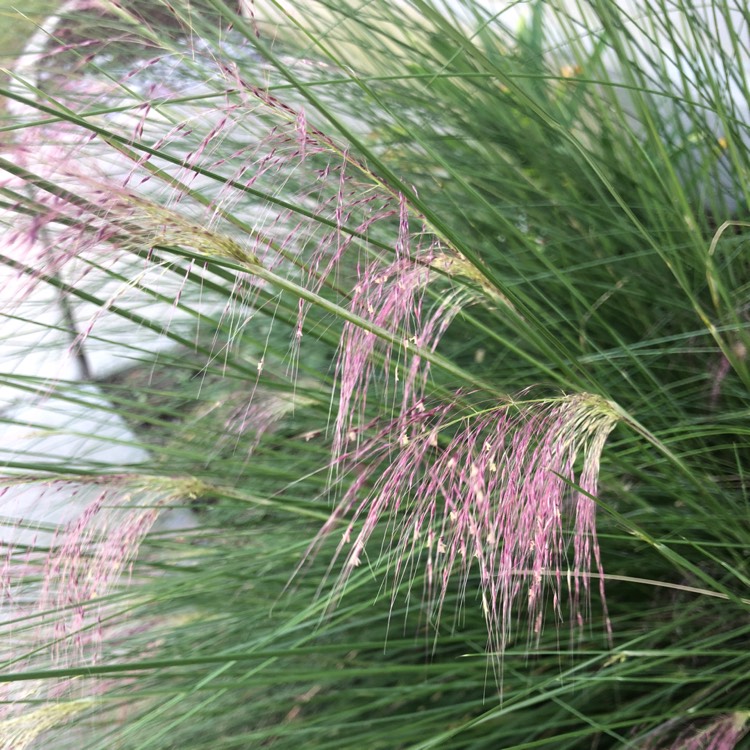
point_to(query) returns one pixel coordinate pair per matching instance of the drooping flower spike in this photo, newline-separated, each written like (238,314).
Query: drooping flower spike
(503,492)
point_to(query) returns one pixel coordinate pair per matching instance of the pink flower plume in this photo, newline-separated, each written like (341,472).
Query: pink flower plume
(501,492)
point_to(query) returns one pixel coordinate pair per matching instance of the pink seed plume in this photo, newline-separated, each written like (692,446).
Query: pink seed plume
(501,493)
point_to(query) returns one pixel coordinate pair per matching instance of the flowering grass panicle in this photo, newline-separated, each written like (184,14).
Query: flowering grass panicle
(20,732)
(501,492)
(58,609)
(722,734)
(391,297)
(71,568)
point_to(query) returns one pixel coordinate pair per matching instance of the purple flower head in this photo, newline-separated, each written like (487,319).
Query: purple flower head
(722,734)
(501,493)
(55,590)
(392,297)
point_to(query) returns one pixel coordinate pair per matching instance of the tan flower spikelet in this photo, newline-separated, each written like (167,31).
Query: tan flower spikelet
(18,732)
(454,264)
(160,226)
